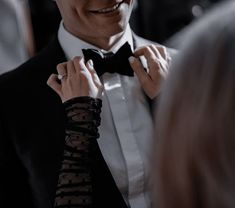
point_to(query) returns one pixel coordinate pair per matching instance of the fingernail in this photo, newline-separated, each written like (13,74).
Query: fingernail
(131,59)
(90,63)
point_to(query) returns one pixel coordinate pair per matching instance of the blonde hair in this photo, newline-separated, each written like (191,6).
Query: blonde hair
(194,152)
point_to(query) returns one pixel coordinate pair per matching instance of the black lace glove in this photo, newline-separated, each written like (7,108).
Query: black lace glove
(74,187)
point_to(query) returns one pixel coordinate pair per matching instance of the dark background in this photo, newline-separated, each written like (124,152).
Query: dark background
(159,20)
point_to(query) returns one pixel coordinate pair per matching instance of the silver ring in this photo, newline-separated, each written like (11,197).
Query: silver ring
(61,76)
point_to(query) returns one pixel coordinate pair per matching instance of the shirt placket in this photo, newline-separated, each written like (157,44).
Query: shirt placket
(134,164)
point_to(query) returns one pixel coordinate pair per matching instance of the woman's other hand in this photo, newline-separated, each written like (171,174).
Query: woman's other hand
(158,62)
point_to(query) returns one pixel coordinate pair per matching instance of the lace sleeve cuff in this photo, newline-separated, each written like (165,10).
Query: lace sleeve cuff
(74,187)
(83,117)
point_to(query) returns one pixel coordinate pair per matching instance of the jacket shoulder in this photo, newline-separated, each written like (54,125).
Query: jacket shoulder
(35,70)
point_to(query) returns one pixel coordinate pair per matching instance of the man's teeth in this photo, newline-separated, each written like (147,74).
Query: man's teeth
(112,9)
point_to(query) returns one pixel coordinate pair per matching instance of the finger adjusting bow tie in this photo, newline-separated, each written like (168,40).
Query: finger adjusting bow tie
(110,62)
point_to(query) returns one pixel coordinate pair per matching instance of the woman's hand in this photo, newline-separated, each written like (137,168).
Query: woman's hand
(76,79)
(158,62)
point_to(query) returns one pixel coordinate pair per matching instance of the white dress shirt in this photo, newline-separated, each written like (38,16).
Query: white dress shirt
(126,125)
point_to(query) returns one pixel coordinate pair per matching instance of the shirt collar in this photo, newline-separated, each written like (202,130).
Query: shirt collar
(72,45)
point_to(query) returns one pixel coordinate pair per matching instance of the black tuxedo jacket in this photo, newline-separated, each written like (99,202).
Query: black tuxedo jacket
(32,124)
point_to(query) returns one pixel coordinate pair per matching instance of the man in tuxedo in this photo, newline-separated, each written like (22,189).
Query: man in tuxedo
(32,118)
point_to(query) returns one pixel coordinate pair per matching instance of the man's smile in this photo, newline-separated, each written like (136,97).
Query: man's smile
(108,9)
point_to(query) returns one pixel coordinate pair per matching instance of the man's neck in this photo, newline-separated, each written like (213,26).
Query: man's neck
(72,45)
(104,43)
(101,42)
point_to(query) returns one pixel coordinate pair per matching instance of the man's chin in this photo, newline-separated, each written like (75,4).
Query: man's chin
(115,31)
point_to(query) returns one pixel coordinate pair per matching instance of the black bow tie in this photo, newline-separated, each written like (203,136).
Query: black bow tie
(110,62)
